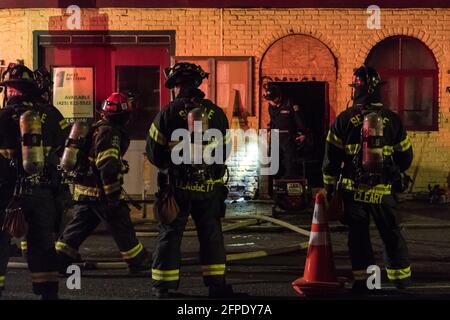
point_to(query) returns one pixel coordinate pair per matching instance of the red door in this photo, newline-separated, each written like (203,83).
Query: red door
(138,69)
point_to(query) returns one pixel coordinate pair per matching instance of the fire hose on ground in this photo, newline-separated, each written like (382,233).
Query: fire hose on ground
(250,220)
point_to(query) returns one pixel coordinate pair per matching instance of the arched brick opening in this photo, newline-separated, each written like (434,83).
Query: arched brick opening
(297,57)
(293,58)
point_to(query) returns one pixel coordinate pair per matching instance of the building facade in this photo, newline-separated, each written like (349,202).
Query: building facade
(245,48)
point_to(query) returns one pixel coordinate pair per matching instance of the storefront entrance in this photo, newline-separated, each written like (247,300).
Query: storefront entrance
(125,61)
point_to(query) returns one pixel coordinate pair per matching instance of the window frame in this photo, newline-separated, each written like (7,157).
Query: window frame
(212,63)
(402,74)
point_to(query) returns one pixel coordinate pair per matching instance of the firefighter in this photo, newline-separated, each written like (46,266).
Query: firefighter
(285,116)
(367,150)
(63,198)
(199,190)
(98,189)
(28,150)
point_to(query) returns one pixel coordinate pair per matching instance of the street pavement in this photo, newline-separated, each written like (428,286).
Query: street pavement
(426,228)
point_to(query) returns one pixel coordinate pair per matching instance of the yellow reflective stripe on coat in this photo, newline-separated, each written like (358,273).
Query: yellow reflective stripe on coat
(213,270)
(403,145)
(398,274)
(113,187)
(2,281)
(329,179)
(110,153)
(166,275)
(349,184)
(156,135)
(334,140)
(81,190)
(130,254)
(66,249)
(352,149)
(39,277)
(63,124)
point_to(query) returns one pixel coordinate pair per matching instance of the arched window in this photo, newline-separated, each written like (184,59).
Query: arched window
(410,72)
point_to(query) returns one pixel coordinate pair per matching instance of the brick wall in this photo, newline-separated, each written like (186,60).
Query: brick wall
(252,31)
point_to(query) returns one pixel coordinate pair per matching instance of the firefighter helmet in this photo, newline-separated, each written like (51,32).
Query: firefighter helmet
(366,81)
(183,72)
(19,76)
(273,92)
(116,104)
(43,80)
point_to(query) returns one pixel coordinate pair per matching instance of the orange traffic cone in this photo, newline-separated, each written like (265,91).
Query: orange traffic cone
(319,275)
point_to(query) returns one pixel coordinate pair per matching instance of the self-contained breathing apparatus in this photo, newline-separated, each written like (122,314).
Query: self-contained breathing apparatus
(197,124)
(369,162)
(370,165)
(199,170)
(191,75)
(29,160)
(74,160)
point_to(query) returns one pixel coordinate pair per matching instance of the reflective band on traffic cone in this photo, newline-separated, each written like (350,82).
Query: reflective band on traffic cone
(319,276)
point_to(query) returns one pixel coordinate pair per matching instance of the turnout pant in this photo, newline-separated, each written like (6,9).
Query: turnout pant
(87,217)
(4,257)
(357,217)
(206,213)
(288,156)
(39,207)
(5,197)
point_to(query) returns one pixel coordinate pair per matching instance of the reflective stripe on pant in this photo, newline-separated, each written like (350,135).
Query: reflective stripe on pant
(86,219)
(398,274)
(166,258)
(62,247)
(357,217)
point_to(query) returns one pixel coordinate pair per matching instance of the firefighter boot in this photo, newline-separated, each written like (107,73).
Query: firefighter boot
(402,284)
(47,290)
(140,264)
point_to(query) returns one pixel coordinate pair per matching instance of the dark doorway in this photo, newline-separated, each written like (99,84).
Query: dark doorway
(143,83)
(312,97)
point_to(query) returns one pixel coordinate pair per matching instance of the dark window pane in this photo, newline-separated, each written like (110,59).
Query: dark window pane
(145,83)
(407,61)
(385,55)
(415,55)
(389,93)
(418,101)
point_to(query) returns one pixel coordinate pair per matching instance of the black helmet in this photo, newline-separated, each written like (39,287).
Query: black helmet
(184,72)
(273,92)
(43,80)
(19,76)
(366,81)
